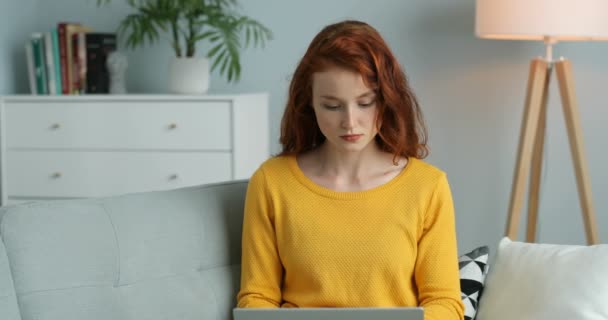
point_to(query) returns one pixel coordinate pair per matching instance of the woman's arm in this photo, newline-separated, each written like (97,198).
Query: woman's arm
(437,273)
(261,269)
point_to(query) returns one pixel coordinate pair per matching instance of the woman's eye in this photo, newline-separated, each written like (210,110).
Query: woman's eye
(369,104)
(331,107)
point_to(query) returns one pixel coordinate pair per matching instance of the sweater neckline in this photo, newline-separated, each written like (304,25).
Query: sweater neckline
(345,195)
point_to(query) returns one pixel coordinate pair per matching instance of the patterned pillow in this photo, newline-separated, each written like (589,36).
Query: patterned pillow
(473,270)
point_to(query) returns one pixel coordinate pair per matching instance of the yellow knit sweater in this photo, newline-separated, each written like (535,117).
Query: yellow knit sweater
(308,246)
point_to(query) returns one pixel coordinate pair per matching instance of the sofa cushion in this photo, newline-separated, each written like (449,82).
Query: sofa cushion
(171,254)
(8,299)
(473,270)
(546,282)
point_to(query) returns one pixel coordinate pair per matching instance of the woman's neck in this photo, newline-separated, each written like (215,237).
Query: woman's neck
(351,166)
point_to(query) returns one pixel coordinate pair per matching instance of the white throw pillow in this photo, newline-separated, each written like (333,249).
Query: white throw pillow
(546,282)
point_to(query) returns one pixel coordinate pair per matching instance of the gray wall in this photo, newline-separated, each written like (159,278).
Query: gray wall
(472,92)
(17,18)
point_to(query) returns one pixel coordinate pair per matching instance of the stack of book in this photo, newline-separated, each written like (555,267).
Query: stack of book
(69,59)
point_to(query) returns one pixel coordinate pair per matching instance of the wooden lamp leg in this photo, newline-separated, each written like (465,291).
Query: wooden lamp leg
(537,164)
(575,136)
(534,100)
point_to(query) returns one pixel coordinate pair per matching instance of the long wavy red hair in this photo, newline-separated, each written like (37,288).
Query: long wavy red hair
(356,46)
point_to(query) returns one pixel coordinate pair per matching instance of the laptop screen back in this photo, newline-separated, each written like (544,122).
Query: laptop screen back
(328,314)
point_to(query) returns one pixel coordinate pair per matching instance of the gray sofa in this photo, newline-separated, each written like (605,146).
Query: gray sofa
(156,255)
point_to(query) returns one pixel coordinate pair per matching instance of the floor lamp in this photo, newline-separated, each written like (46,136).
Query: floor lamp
(549,21)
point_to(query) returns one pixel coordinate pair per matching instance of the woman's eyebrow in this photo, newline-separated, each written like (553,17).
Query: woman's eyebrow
(369,93)
(328,96)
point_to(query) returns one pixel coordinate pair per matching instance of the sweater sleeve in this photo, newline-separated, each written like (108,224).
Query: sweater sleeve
(437,273)
(261,269)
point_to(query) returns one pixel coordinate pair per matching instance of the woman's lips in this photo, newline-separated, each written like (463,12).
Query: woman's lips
(351,137)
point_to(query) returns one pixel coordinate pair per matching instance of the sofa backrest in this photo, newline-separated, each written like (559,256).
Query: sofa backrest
(156,255)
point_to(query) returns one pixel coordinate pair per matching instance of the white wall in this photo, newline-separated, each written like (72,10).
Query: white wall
(472,92)
(17,20)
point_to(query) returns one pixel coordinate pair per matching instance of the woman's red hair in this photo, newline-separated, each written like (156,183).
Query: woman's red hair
(356,46)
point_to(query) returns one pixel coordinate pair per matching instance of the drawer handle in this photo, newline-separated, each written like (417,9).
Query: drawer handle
(173,126)
(173,177)
(55,126)
(56,175)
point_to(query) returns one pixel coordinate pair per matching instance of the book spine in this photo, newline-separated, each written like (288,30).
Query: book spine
(82,61)
(71,29)
(98,47)
(63,57)
(39,65)
(57,59)
(50,63)
(31,73)
(74,65)
(78,62)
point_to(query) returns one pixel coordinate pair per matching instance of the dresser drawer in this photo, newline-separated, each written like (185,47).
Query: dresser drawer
(94,174)
(162,125)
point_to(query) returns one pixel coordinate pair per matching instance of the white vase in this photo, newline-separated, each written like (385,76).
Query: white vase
(189,75)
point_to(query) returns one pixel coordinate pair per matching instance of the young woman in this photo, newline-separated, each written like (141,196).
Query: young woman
(348,215)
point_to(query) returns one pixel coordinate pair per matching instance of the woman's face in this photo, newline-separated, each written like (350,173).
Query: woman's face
(345,109)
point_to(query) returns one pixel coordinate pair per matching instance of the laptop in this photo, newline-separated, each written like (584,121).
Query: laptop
(365,313)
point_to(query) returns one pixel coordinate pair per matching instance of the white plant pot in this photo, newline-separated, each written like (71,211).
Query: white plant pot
(189,75)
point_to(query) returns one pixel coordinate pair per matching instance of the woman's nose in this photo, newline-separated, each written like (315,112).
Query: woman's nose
(348,118)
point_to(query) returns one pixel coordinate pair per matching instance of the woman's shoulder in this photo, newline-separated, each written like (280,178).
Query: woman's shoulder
(275,166)
(425,179)
(273,173)
(425,171)
(276,162)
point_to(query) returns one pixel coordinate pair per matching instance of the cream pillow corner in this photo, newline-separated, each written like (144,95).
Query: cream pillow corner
(546,282)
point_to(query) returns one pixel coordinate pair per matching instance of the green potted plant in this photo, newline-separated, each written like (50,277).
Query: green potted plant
(189,22)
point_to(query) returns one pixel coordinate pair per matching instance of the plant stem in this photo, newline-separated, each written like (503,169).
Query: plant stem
(176,46)
(190,45)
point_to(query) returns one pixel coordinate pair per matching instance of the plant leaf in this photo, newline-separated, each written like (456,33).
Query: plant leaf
(192,21)
(218,59)
(214,50)
(203,35)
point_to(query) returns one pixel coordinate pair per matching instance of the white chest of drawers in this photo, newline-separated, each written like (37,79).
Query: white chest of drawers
(56,147)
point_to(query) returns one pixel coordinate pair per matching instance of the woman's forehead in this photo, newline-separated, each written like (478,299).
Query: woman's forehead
(339,81)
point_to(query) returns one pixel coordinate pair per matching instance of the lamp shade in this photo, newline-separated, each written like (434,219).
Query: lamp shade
(559,20)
